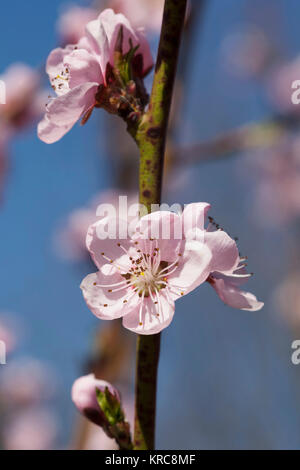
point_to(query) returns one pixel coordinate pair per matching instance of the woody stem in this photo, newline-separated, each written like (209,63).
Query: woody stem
(151,139)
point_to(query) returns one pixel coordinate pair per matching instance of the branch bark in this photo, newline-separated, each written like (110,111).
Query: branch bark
(151,139)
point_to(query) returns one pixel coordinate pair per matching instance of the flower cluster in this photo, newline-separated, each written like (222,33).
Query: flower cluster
(104,69)
(141,277)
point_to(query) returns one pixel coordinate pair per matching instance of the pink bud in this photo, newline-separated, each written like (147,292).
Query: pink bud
(85,399)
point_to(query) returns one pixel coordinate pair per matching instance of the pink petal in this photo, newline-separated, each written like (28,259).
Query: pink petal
(83,68)
(235,297)
(110,23)
(66,109)
(166,227)
(225,254)
(106,305)
(49,132)
(193,268)
(55,61)
(105,250)
(98,41)
(193,216)
(152,323)
(145,51)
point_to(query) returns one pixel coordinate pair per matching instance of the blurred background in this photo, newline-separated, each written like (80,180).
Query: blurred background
(226,380)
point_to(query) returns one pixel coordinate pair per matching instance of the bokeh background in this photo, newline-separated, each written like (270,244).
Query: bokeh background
(226,380)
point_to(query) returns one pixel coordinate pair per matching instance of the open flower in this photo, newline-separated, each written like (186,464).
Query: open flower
(227,268)
(140,277)
(80,73)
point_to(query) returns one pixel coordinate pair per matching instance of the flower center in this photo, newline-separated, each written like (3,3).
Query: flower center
(60,83)
(146,277)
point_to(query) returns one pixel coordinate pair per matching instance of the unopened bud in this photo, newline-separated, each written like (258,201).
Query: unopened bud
(84,396)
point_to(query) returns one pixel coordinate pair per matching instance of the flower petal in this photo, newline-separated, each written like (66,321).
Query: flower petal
(164,226)
(66,109)
(105,250)
(193,268)
(103,34)
(83,68)
(49,133)
(225,254)
(98,42)
(193,217)
(151,323)
(235,297)
(104,304)
(55,61)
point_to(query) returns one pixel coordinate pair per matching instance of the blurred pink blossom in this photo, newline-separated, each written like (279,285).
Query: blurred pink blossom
(24,99)
(286,299)
(76,72)
(279,86)
(71,24)
(25,103)
(33,429)
(96,439)
(25,381)
(141,13)
(277,182)
(246,52)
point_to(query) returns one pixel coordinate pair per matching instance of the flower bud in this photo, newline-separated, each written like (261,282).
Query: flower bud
(84,396)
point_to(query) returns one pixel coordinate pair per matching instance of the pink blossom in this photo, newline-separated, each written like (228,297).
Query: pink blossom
(72,22)
(286,300)
(26,381)
(96,439)
(33,429)
(24,104)
(24,98)
(139,278)
(246,52)
(277,182)
(227,268)
(76,72)
(143,13)
(279,86)
(85,399)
